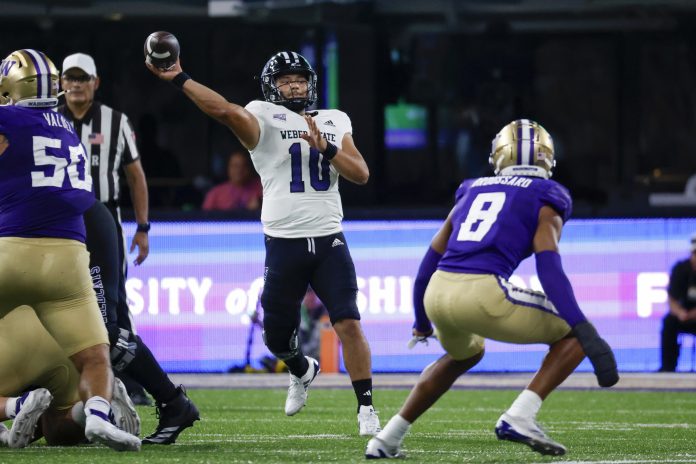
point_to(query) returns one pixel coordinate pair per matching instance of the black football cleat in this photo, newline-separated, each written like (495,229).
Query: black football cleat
(174,417)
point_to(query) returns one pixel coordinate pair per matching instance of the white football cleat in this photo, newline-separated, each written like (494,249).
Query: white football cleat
(379,449)
(100,430)
(125,416)
(368,422)
(4,435)
(297,391)
(527,431)
(31,406)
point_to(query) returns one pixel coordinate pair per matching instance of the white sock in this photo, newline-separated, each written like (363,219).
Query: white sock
(10,407)
(395,430)
(78,413)
(96,405)
(526,405)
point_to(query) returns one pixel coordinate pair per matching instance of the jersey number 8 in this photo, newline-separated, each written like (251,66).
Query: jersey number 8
(482,215)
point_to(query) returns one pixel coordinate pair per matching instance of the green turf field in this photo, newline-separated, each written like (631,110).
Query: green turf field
(249,426)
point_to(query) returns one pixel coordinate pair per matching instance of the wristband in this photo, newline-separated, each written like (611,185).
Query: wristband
(143,227)
(330,151)
(179,80)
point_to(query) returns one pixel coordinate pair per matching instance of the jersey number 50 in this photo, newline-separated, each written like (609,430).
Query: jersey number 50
(78,158)
(318,183)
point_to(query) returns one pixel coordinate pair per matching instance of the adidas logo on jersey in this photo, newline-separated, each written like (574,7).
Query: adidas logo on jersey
(336,243)
(329,123)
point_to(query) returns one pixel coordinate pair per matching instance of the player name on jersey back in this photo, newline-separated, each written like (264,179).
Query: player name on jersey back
(513,181)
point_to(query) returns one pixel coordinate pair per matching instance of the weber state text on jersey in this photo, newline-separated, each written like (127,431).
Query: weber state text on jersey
(494,221)
(44,187)
(300,187)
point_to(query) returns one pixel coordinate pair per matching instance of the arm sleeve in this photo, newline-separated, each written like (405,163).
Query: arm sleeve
(426,270)
(558,288)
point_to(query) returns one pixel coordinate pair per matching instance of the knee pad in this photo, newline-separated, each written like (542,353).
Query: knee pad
(283,344)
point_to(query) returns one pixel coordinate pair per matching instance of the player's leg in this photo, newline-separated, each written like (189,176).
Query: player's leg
(335,283)
(73,319)
(671,326)
(113,250)
(435,380)
(128,353)
(63,424)
(27,352)
(524,316)
(444,300)
(285,284)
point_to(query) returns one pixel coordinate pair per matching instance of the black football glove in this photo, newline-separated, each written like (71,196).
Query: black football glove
(599,352)
(123,350)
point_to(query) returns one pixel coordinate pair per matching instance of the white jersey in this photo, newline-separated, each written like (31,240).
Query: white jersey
(300,187)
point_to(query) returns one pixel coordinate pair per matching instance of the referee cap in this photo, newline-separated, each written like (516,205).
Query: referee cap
(80,61)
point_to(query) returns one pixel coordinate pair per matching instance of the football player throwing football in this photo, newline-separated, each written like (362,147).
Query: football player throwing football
(300,156)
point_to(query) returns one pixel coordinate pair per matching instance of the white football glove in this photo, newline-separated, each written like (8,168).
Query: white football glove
(420,339)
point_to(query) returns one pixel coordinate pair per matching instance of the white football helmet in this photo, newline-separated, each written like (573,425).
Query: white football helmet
(522,148)
(28,78)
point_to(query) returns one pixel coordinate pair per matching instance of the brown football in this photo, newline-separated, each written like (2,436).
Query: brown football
(161,49)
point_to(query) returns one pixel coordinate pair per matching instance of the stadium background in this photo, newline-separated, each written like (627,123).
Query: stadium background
(427,85)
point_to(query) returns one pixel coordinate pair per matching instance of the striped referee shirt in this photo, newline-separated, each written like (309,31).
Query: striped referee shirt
(109,140)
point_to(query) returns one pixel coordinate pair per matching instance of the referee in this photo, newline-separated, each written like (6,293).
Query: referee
(109,141)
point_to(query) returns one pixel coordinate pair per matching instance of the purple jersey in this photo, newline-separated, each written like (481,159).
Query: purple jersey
(44,188)
(494,221)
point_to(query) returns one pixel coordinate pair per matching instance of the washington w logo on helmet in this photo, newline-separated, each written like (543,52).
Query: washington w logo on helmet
(28,78)
(283,63)
(5,67)
(522,148)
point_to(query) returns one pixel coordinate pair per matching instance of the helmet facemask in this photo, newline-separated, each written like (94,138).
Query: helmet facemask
(28,78)
(283,63)
(522,148)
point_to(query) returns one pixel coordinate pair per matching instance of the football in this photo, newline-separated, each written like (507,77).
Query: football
(161,49)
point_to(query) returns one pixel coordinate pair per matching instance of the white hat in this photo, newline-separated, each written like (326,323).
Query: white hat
(80,61)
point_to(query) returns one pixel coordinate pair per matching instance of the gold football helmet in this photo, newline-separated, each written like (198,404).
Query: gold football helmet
(522,148)
(28,78)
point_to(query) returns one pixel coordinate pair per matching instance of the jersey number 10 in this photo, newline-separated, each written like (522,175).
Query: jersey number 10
(318,183)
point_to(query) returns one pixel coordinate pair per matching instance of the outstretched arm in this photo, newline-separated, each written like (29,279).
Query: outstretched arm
(244,124)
